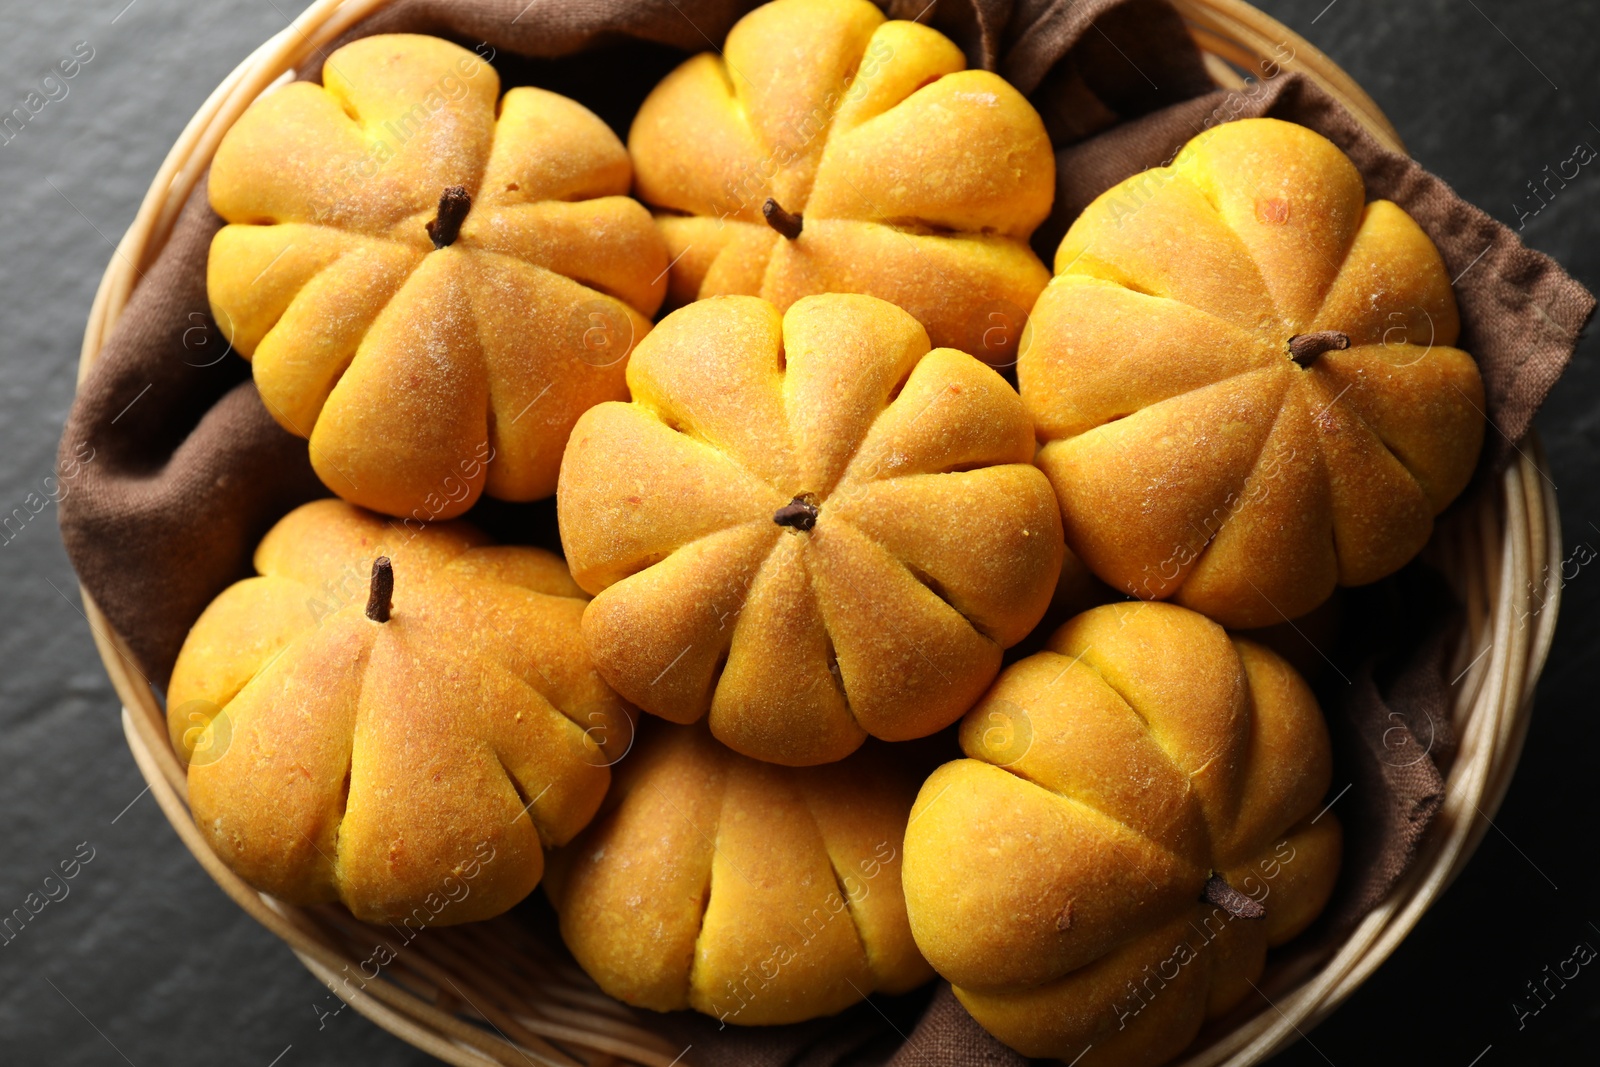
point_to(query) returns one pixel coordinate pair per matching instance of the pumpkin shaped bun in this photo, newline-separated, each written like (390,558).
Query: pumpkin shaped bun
(828,150)
(1140,817)
(807,525)
(407,744)
(431,281)
(1243,380)
(754,893)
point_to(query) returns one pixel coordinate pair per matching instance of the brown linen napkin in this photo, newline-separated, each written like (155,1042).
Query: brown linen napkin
(189,469)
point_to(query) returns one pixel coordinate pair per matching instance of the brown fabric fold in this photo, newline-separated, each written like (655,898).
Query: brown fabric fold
(188,469)
(946,1034)
(1391,745)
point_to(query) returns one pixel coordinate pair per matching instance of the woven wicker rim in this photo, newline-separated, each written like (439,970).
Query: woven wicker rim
(490,993)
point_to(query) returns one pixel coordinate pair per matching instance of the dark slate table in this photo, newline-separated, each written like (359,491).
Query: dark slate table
(146,962)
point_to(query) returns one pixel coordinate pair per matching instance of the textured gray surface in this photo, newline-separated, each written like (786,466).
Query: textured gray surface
(146,962)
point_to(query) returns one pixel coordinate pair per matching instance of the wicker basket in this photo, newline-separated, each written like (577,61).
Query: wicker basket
(492,993)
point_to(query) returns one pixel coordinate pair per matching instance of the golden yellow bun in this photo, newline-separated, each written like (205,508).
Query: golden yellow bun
(1195,460)
(416,768)
(425,376)
(935,543)
(750,892)
(1055,876)
(917,180)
